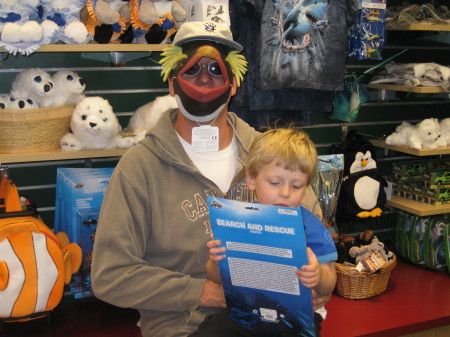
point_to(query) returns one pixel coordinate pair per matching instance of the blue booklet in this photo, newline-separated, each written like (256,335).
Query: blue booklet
(265,246)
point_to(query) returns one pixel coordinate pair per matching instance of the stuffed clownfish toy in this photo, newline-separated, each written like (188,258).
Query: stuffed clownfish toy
(35,264)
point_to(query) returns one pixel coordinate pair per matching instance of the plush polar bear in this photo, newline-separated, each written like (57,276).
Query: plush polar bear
(33,83)
(68,89)
(424,135)
(445,130)
(147,115)
(94,126)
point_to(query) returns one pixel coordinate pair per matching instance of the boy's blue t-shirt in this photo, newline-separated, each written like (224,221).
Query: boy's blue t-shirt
(318,238)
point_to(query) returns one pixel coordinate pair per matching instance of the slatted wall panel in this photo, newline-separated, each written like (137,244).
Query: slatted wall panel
(139,82)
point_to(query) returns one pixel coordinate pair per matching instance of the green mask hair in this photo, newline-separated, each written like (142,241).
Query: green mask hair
(173,55)
(238,65)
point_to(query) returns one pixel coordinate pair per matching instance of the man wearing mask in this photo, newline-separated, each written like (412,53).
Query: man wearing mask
(150,246)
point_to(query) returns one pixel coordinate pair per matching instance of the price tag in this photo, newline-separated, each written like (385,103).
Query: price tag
(205,138)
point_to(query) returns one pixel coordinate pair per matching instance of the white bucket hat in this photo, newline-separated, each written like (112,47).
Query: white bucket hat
(201,31)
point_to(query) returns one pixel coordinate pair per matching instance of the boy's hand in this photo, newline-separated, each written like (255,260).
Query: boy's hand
(214,250)
(309,275)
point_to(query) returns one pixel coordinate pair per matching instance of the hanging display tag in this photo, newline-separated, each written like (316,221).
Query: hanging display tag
(205,138)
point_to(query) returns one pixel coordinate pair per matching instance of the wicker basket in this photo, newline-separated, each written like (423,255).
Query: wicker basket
(359,285)
(33,129)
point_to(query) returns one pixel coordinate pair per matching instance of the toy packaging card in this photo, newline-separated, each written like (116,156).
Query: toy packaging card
(434,244)
(409,170)
(447,244)
(79,195)
(265,245)
(406,234)
(213,11)
(366,36)
(327,186)
(437,196)
(416,240)
(437,178)
(399,228)
(81,282)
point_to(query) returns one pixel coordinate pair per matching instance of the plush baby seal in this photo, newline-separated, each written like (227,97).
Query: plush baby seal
(33,83)
(94,126)
(68,89)
(147,115)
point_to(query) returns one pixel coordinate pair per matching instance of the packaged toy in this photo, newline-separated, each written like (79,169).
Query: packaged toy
(447,244)
(79,195)
(366,36)
(434,244)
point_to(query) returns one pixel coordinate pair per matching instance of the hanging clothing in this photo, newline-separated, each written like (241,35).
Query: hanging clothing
(268,107)
(304,43)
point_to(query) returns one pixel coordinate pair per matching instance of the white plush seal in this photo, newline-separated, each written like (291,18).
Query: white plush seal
(147,115)
(33,83)
(68,89)
(94,126)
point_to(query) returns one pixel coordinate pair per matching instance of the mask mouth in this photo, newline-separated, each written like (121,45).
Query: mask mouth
(198,118)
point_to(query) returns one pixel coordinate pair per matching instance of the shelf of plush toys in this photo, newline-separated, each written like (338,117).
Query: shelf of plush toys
(96,47)
(398,87)
(421,26)
(422,152)
(9,158)
(417,207)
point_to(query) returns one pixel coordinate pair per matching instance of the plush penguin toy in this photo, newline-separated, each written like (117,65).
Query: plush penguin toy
(362,194)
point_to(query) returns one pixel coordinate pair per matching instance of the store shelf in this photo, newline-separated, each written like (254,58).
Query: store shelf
(95,47)
(421,26)
(416,207)
(398,87)
(6,158)
(423,152)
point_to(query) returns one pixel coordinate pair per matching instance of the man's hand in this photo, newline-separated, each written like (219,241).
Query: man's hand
(212,295)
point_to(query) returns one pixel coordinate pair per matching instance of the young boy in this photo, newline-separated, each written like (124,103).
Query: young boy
(280,165)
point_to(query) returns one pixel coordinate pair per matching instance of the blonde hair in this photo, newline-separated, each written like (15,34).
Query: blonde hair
(289,147)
